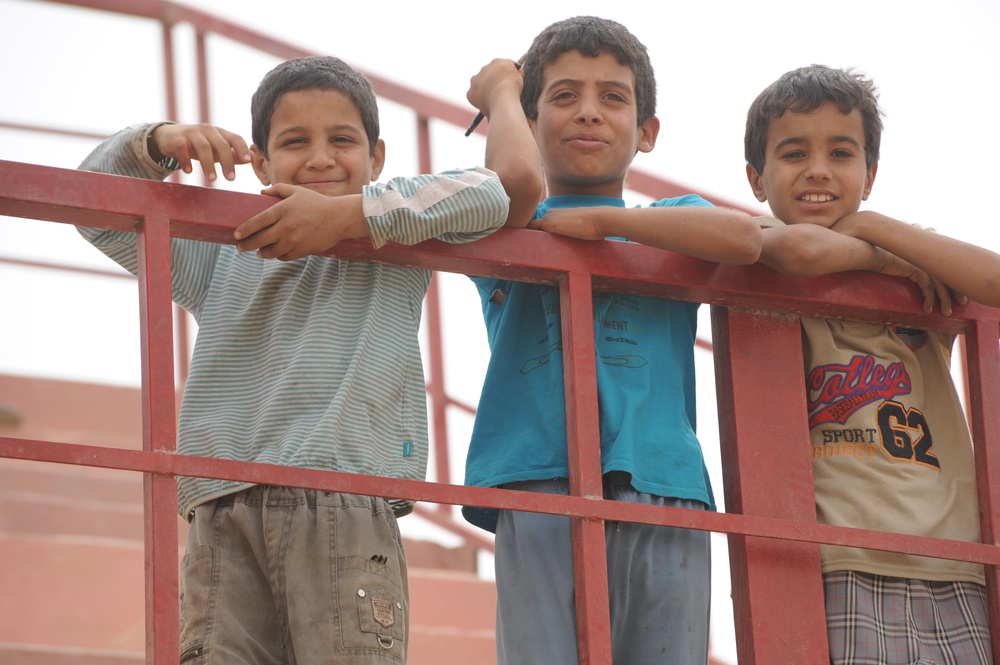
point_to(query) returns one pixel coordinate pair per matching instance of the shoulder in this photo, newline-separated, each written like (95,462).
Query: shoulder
(677,201)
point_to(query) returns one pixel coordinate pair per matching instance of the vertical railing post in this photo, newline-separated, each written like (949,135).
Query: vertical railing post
(983,364)
(159,433)
(583,432)
(767,471)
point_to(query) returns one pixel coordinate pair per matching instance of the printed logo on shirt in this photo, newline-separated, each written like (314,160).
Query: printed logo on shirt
(903,434)
(835,391)
(913,338)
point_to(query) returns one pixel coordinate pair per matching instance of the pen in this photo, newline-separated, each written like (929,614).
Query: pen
(479,117)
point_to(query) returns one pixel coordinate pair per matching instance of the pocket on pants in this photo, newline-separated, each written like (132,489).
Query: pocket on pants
(197,574)
(371,595)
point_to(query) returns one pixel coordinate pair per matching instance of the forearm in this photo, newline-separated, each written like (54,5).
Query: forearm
(454,206)
(125,154)
(712,234)
(810,250)
(511,152)
(968,269)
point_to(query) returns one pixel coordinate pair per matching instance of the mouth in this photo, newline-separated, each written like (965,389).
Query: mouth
(817,198)
(587,140)
(322,185)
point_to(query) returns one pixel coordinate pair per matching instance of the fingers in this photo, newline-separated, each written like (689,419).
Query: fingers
(943,296)
(205,144)
(250,235)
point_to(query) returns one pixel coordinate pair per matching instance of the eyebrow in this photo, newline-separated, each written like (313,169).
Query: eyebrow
(795,140)
(612,83)
(342,127)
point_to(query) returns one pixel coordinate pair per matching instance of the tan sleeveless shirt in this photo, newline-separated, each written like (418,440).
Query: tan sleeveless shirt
(891,449)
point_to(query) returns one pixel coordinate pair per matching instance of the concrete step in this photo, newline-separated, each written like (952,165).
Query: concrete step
(76,595)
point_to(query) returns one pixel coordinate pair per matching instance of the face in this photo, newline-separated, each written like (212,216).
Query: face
(814,168)
(317,140)
(586,129)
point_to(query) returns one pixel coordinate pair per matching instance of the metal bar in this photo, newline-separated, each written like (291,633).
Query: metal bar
(763,419)
(251,472)
(583,434)
(105,201)
(982,345)
(159,435)
(436,382)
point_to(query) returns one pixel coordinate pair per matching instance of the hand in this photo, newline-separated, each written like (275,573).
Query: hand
(304,222)
(582,223)
(932,288)
(203,143)
(499,77)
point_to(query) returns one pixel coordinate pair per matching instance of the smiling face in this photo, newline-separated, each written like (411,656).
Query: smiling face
(586,129)
(317,140)
(814,166)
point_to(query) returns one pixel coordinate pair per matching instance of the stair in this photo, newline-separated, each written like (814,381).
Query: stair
(72,560)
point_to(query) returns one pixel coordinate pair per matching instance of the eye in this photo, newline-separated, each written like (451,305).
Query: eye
(343,140)
(563,95)
(842,152)
(793,154)
(615,97)
(293,141)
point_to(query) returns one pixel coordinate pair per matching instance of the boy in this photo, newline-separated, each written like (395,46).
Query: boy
(311,361)
(812,150)
(588,101)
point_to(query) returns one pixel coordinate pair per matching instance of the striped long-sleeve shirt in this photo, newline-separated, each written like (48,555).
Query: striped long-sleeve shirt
(314,362)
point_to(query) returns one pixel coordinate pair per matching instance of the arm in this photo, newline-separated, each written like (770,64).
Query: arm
(713,234)
(454,206)
(967,269)
(810,250)
(511,151)
(135,152)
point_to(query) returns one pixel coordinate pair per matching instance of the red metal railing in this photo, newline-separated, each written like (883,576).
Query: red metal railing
(772,526)
(425,108)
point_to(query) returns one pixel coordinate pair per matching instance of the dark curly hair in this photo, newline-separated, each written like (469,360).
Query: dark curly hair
(806,89)
(590,36)
(321,72)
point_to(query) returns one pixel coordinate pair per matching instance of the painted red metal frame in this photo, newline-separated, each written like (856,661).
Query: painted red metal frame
(772,525)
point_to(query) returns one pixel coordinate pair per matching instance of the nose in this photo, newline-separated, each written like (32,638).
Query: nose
(818,168)
(321,155)
(589,111)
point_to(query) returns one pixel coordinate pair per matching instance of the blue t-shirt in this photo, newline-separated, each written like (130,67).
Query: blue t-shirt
(645,384)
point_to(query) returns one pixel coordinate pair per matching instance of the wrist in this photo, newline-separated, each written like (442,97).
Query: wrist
(154,152)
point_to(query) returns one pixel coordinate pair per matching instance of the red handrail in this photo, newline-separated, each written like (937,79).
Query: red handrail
(772,526)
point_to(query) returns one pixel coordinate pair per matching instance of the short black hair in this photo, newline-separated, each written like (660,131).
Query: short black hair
(591,36)
(805,89)
(320,72)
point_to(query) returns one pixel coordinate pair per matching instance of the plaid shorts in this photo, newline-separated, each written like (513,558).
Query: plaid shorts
(878,620)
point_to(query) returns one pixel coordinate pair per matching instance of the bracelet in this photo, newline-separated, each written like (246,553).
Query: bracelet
(168,163)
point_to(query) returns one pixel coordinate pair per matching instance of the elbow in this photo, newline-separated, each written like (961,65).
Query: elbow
(525,191)
(787,255)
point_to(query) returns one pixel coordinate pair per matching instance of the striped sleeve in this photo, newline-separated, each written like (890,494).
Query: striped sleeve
(453,206)
(125,154)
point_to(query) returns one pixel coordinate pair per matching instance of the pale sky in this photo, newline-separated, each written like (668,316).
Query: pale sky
(936,65)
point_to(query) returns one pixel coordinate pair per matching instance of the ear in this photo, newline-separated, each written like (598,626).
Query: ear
(648,131)
(756,183)
(378,160)
(869,181)
(259,162)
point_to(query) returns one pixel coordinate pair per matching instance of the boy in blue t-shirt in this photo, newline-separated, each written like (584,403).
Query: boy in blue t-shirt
(587,102)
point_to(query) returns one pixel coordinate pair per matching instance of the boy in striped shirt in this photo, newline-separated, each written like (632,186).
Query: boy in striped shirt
(307,361)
